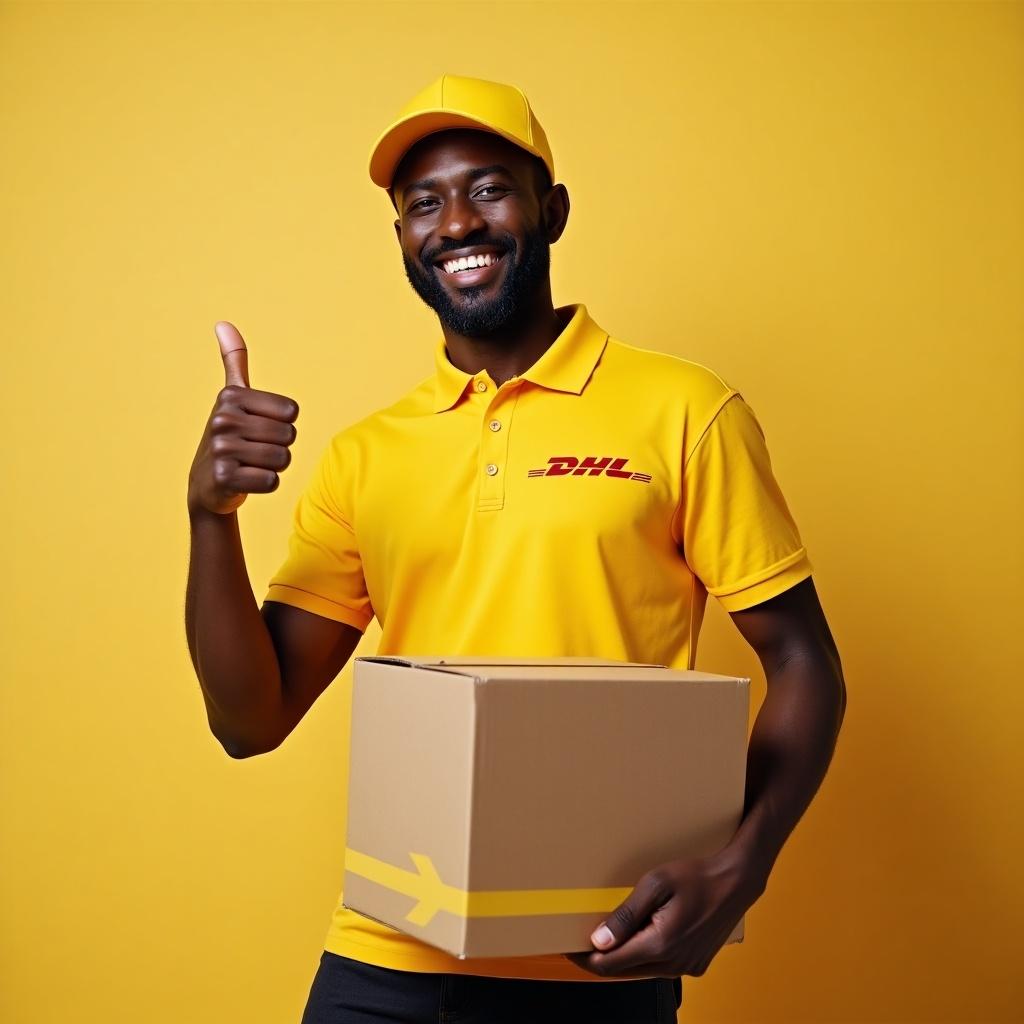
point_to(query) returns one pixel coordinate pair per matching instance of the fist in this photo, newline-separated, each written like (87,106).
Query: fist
(247,438)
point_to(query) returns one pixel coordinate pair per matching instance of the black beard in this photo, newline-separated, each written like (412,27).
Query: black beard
(480,318)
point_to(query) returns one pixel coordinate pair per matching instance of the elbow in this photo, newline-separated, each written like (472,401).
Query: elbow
(240,740)
(237,751)
(842,701)
(245,738)
(837,668)
(239,748)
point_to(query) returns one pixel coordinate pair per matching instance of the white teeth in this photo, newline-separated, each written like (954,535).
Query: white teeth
(469,263)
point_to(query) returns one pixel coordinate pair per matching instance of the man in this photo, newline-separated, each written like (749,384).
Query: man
(549,490)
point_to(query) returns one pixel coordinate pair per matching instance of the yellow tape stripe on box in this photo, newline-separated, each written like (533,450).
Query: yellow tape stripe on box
(425,886)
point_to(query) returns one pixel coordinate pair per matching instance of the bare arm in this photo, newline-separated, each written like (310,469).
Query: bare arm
(232,650)
(260,670)
(681,912)
(797,727)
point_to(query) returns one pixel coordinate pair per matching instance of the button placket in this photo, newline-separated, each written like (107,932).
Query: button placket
(494,443)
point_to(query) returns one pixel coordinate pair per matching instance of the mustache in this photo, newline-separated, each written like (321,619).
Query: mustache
(502,245)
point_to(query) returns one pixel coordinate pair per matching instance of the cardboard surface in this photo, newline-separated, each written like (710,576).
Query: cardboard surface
(502,806)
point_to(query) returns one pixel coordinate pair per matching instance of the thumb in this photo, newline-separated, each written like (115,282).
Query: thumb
(629,916)
(233,352)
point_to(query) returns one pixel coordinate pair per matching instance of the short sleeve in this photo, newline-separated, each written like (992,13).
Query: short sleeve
(323,572)
(737,534)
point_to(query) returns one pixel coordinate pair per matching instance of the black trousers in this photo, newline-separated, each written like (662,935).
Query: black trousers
(346,991)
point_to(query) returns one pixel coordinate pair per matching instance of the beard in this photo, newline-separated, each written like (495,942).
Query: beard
(474,316)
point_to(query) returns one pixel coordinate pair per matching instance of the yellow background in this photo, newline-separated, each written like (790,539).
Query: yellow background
(822,202)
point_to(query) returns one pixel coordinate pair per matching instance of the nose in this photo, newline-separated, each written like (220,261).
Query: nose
(461,217)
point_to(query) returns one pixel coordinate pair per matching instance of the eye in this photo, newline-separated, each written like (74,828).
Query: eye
(418,205)
(491,188)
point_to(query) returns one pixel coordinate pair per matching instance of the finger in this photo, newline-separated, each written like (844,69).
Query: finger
(632,913)
(266,403)
(259,404)
(266,429)
(249,480)
(654,969)
(259,455)
(233,352)
(635,955)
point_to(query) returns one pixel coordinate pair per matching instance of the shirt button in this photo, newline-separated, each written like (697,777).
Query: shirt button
(491,469)
(494,425)
(481,385)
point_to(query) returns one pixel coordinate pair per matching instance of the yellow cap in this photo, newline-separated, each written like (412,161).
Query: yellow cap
(456,102)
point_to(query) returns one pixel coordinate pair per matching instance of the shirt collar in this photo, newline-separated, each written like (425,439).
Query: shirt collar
(565,366)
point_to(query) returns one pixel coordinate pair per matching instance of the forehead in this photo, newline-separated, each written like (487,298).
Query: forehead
(456,151)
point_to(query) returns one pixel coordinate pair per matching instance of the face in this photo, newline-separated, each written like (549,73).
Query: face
(475,224)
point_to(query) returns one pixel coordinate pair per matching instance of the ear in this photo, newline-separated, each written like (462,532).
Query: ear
(555,212)
(398,231)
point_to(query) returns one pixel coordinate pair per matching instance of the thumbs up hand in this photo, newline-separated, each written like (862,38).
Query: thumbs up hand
(246,441)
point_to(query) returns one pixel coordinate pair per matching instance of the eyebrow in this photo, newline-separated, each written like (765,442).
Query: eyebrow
(477,172)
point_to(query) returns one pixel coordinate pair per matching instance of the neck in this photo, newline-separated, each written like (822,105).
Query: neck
(508,353)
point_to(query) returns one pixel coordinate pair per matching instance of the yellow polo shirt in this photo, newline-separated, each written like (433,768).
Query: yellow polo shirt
(586,507)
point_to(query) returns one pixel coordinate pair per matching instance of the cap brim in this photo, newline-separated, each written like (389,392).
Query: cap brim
(396,140)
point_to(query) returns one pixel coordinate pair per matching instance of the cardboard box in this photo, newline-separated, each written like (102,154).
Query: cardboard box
(502,806)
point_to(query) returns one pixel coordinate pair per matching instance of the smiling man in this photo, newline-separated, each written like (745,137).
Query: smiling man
(476,292)
(548,490)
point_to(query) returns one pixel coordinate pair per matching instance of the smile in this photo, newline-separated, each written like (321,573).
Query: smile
(470,263)
(469,271)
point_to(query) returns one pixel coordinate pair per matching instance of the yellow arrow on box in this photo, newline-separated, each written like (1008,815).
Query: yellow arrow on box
(425,886)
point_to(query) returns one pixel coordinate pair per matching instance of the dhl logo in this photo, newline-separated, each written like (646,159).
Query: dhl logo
(592,465)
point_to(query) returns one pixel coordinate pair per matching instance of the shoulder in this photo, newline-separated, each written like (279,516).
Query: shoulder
(371,427)
(701,390)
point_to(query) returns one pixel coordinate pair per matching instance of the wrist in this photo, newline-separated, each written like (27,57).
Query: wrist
(199,513)
(750,854)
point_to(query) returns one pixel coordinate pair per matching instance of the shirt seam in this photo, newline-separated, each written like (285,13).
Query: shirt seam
(731,393)
(760,576)
(361,615)
(707,426)
(333,492)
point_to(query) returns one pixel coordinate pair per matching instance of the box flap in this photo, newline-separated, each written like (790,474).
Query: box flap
(431,661)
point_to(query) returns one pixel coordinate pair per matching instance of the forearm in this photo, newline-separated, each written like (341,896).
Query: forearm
(232,650)
(791,746)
